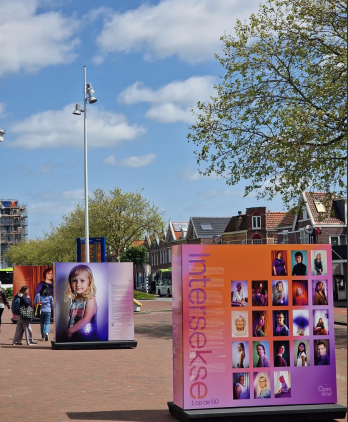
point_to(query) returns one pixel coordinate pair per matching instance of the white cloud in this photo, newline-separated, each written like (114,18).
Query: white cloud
(172,102)
(60,128)
(189,174)
(30,41)
(189,29)
(56,208)
(132,162)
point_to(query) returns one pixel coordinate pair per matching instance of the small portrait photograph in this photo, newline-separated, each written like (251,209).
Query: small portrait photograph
(281,353)
(280,292)
(301,353)
(259,293)
(299,262)
(300,292)
(280,323)
(319,290)
(320,322)
(300,322)
(262,385)
(261,354)
(319,262)
(239,293)
(241,386)
(282,384)
(240,354)
(240,324)
(321,352)
(260,324)
(279,263)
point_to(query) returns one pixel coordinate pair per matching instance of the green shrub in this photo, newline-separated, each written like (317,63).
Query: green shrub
(142,295)
(9,293)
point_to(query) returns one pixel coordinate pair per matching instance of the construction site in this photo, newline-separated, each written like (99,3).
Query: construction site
(13,225)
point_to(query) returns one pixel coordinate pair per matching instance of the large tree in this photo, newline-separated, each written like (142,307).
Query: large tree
(121,217)
(279,116)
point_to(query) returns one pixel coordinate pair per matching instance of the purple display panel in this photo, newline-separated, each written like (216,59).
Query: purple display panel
(94,302)
(249,337)
(178,374)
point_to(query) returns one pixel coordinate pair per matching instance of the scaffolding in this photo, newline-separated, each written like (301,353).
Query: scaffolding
(13,225)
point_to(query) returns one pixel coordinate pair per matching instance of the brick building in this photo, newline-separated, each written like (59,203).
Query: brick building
(257,226)
(329,227)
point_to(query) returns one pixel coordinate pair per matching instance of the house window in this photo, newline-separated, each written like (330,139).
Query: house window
(338,240)
(243,242)
(304,214)
(256,239)
(169,255)
(304,237)
(228,242)
(320,206)
(256,221)
(275,240)
(285,237)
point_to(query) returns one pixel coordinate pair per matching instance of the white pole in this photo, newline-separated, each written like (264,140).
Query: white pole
(85,162)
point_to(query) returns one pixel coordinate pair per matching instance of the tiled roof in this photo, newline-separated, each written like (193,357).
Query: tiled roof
(175,224)
(287,220)
(218,226)
(138,242)
(273,219)
(334,216)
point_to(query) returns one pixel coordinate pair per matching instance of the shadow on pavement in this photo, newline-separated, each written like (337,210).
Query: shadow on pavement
(156,331)
(124,415)
(341,337)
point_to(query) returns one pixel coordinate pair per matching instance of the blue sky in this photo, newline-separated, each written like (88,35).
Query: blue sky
(148,62)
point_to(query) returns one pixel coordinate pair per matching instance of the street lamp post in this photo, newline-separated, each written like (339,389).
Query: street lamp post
(87,96)
(2,133)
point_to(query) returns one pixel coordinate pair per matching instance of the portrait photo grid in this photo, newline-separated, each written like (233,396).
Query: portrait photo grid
(280,324)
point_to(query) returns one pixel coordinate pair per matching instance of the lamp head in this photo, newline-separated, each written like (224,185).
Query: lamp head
(77,110)
(90,92)
(2,133)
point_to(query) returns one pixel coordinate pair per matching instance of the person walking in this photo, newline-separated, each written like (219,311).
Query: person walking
(45,298)
(3,302)
(23,325)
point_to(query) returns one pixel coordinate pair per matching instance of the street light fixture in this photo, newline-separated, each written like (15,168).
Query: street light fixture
(87,96)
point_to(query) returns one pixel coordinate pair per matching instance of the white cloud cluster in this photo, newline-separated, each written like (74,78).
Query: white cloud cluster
(30,41)
(188,29)
(172,102)
(132,162)
(60,128)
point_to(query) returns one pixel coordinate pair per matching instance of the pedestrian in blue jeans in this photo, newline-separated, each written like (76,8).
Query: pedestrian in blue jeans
(45,298)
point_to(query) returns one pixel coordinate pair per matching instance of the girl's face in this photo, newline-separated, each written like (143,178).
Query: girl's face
(281,379)
(239,287)
(80,283)
(49,275)
(320,287)
(279,255)
(279,287)
(26,292)
(240,324)
(261,320)
(301,347)
(299,291)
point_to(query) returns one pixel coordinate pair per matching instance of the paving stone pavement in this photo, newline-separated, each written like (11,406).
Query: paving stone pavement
(40,384)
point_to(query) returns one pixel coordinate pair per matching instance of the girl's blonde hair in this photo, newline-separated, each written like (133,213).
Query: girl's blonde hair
(280,282)
(89,293)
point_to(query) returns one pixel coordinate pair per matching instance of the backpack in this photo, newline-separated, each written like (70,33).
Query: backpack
(16,304)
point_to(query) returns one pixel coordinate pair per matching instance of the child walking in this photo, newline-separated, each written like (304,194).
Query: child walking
(80,292)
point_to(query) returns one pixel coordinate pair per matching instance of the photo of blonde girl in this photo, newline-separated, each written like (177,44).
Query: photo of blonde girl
(80,293)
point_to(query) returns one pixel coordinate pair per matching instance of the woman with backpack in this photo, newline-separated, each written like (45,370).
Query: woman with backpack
(22,300)
(45,298)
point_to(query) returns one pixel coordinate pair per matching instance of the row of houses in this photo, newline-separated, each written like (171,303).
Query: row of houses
(258,226)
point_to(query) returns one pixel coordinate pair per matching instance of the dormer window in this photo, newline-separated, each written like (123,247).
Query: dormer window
(304,214)
(256,220)
(320,206)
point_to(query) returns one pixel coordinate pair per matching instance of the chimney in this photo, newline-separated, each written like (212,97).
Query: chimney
(239,220)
